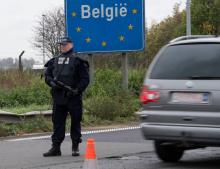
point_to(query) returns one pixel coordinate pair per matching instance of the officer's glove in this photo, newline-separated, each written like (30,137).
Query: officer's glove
(75,91)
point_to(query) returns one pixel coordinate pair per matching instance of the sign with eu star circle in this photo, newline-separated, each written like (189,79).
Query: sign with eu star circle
(105,25)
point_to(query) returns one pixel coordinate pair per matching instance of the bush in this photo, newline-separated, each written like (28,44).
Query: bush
(107,83)
(40,92)
(128,104)
(102,107)
(29,89)
(3,131)
(109,108)
(4,102)
(136,78)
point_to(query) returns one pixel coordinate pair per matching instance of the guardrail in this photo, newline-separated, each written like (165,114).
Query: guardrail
(8,117)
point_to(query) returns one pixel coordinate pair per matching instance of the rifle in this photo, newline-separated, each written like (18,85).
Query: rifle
(66,87)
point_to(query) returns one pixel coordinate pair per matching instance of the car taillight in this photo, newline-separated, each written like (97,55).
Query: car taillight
(147,95)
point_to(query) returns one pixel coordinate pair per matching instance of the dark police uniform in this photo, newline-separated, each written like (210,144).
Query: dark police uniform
(72,71)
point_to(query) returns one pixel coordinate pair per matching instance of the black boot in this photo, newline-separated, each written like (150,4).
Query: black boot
(75,149)
(54,151)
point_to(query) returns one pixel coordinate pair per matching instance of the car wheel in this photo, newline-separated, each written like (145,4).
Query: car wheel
(168,152)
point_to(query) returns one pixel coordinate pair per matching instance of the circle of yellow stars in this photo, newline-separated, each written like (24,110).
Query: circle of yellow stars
(104,43)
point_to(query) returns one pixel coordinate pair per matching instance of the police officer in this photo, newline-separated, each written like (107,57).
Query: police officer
(66,70)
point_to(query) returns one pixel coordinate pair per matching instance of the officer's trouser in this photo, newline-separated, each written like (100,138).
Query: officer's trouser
(59,118)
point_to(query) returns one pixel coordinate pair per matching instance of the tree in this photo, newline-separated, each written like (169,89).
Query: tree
(10,63)
(160,34)
(50,28)
(205,16)
(7,63)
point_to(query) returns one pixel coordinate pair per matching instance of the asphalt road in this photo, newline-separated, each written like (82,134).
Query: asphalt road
(115,150)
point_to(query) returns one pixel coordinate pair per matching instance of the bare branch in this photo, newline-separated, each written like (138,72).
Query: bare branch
(54,28)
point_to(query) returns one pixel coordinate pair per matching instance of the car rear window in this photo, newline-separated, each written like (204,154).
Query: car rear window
(186,61)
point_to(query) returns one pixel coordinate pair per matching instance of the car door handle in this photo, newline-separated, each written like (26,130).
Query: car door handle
(188,118)
(144,117)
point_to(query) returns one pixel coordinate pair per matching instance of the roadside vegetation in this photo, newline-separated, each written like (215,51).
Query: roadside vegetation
(105,102)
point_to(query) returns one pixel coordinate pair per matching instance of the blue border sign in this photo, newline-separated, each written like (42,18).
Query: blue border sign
(105,25)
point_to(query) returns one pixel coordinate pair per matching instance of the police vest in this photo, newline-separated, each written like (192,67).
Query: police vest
(65,69)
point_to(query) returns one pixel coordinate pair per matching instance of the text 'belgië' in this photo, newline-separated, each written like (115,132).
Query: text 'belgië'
(109,12)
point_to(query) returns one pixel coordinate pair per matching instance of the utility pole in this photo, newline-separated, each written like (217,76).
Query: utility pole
(43,39)
(188,17)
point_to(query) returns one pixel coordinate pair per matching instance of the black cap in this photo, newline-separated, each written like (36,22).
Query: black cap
(64,40)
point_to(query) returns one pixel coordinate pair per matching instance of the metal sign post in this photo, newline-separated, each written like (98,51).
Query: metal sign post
(125,70)
(91,68)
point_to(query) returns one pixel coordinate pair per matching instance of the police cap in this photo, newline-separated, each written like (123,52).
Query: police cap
(64,40)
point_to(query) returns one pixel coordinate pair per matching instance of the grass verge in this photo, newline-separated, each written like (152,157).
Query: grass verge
(40,124)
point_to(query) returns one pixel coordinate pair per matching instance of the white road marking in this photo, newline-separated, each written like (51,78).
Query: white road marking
(83,133)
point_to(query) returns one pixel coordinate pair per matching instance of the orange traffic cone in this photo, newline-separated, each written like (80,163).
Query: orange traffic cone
(90,156)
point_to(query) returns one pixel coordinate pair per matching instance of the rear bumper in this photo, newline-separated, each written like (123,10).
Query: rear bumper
(159,128)
(181,133)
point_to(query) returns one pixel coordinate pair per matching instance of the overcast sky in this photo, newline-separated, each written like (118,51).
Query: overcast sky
(19,17)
